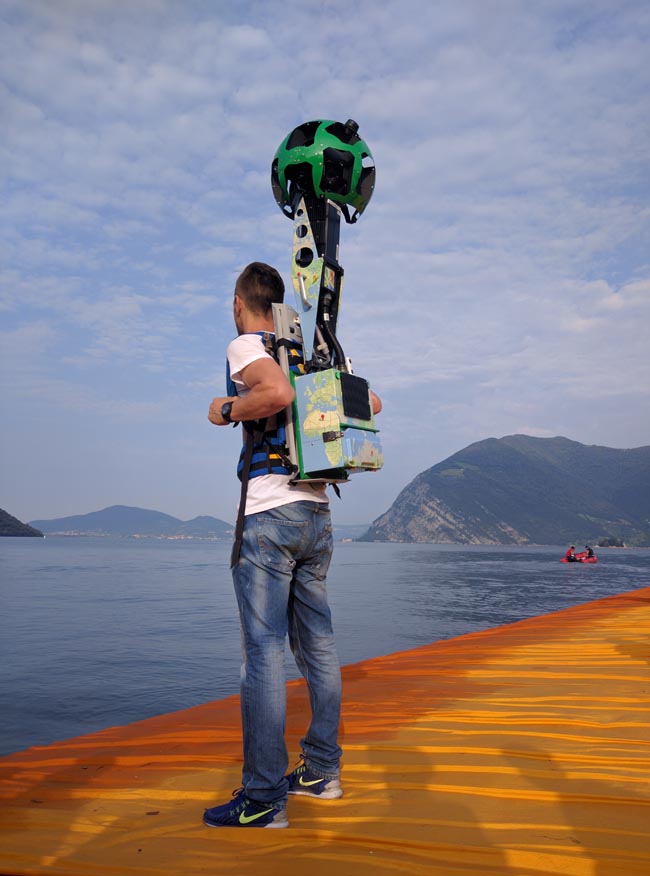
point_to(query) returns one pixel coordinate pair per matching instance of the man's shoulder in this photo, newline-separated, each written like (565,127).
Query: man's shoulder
(244,341)
(244,346)
(243,351)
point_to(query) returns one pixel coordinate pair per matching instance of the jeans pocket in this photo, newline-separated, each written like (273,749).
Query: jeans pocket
(279,541)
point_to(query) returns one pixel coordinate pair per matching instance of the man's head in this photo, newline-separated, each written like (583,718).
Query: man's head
(257,288)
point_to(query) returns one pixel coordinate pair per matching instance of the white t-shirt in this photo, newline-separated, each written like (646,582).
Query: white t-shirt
(270,490)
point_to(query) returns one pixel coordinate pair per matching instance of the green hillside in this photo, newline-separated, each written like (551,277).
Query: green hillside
(12,527)
(519,490)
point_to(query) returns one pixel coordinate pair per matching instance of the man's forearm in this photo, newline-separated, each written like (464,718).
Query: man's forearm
(263,400)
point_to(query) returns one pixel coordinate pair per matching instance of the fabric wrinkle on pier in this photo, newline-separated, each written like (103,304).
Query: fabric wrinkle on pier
(521,750)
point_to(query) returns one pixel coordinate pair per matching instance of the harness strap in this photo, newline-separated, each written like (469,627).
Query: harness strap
(278,450)
(241,513)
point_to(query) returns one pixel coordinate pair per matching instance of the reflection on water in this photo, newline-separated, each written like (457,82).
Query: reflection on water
(401,596)
(97,632)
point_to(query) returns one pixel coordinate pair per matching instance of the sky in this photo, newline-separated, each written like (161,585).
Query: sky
(497,283)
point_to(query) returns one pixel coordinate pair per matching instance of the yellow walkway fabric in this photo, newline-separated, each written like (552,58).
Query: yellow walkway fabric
(523,750)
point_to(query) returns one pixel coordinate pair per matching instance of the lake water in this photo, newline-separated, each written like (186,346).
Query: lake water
(100,632)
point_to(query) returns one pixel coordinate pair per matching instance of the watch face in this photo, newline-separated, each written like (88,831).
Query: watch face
(225,410)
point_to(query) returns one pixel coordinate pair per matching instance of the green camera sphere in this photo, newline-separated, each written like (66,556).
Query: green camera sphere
(324,159)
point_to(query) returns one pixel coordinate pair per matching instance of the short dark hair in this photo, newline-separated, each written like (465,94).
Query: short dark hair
(260,286)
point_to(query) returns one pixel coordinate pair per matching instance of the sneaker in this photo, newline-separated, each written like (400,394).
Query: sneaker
(243,812)
(305,782)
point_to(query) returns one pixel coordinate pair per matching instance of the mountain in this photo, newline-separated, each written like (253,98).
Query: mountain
(519,490)
(122,520)
(11,526)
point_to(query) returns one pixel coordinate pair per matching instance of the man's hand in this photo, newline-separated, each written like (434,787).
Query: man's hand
(214,413)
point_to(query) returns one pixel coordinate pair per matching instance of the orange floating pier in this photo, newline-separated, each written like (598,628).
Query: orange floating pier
(522,750)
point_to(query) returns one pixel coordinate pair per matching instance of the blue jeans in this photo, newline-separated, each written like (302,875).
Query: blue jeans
(280,586)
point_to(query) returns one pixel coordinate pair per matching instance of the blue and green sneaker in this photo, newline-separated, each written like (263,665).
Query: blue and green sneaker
(305,782)
(244,812)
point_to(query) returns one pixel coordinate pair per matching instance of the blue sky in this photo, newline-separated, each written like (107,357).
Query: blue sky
(498,283)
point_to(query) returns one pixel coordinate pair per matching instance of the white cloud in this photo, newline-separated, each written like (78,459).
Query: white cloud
(500,275)
(214,255)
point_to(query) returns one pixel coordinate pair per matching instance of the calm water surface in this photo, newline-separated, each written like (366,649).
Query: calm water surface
(99,632)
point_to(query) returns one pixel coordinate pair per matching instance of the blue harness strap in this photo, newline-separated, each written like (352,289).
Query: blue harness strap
(269,452)
(264,449)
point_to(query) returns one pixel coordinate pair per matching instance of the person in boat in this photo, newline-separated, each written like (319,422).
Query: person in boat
(570,555)
(589,552)
(279,575)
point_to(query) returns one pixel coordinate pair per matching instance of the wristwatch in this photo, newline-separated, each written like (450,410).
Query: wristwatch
(225,411)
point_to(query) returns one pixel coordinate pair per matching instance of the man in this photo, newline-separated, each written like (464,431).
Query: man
(570,555)
(279,579)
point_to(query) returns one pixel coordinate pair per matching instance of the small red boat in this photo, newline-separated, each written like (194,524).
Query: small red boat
(581,558)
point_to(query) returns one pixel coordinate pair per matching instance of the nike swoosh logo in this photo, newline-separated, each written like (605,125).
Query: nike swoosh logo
(307,784)
(246,819)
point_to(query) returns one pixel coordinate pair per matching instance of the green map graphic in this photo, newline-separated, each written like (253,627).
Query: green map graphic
(322,414)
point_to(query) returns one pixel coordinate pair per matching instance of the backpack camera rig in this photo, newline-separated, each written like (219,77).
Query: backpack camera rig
(321,170)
